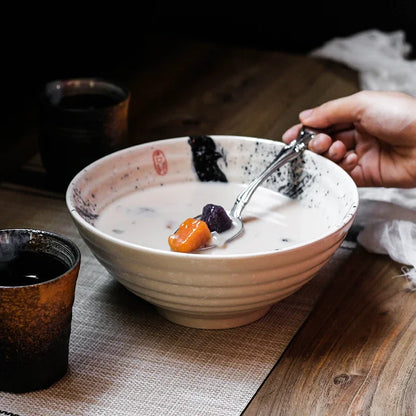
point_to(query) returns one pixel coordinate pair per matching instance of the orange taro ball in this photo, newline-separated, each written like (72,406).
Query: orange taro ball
(191,235)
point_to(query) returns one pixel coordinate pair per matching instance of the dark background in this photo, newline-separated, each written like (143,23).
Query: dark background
(71,40)
(76,39)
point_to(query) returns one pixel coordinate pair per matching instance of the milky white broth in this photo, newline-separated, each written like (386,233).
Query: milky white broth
(272,221)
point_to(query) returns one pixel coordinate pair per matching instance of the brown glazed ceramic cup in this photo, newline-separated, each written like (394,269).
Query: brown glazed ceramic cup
(81,120)
(38,273)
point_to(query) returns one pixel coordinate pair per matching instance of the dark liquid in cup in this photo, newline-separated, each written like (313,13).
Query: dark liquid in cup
(87,101)
(30,267)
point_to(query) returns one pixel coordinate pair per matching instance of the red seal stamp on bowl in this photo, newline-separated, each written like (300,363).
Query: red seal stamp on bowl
(160,162)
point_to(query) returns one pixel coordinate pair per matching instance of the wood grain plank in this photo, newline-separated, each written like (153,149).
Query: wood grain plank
(356,353)
(208,88)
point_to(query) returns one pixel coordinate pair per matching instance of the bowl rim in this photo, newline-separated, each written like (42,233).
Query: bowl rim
(79,220)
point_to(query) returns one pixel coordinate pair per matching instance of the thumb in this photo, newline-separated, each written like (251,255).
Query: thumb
(339,111)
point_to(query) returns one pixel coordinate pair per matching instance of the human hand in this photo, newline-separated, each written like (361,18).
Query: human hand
(371,134)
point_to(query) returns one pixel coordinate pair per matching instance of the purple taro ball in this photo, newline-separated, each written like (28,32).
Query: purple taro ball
(216,218)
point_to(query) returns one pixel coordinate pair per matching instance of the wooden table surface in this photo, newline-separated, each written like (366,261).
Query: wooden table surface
(355,354)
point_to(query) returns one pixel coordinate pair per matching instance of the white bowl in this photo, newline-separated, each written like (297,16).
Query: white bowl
(218,290)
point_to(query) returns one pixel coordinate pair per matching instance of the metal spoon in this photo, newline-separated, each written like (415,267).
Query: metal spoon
(289,152)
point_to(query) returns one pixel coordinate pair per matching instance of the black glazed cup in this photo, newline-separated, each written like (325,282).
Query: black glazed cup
(81,120)
(38,274)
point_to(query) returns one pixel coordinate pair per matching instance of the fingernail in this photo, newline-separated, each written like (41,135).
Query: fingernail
(290,133)
(332,153)
(316,145)
(286,135)
(351,160)
(306,114)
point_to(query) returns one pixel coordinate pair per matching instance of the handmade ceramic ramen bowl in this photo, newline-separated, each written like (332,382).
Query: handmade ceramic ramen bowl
(223,288)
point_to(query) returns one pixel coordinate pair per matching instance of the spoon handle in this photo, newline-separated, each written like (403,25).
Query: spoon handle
(289,152)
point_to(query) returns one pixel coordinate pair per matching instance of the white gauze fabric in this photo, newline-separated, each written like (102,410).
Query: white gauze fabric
(388,219)
(395,238)
(380,58)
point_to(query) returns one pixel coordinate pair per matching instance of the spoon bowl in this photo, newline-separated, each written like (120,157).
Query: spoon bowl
(221,239)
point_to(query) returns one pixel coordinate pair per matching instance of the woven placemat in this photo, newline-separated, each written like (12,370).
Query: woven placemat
(126,360)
